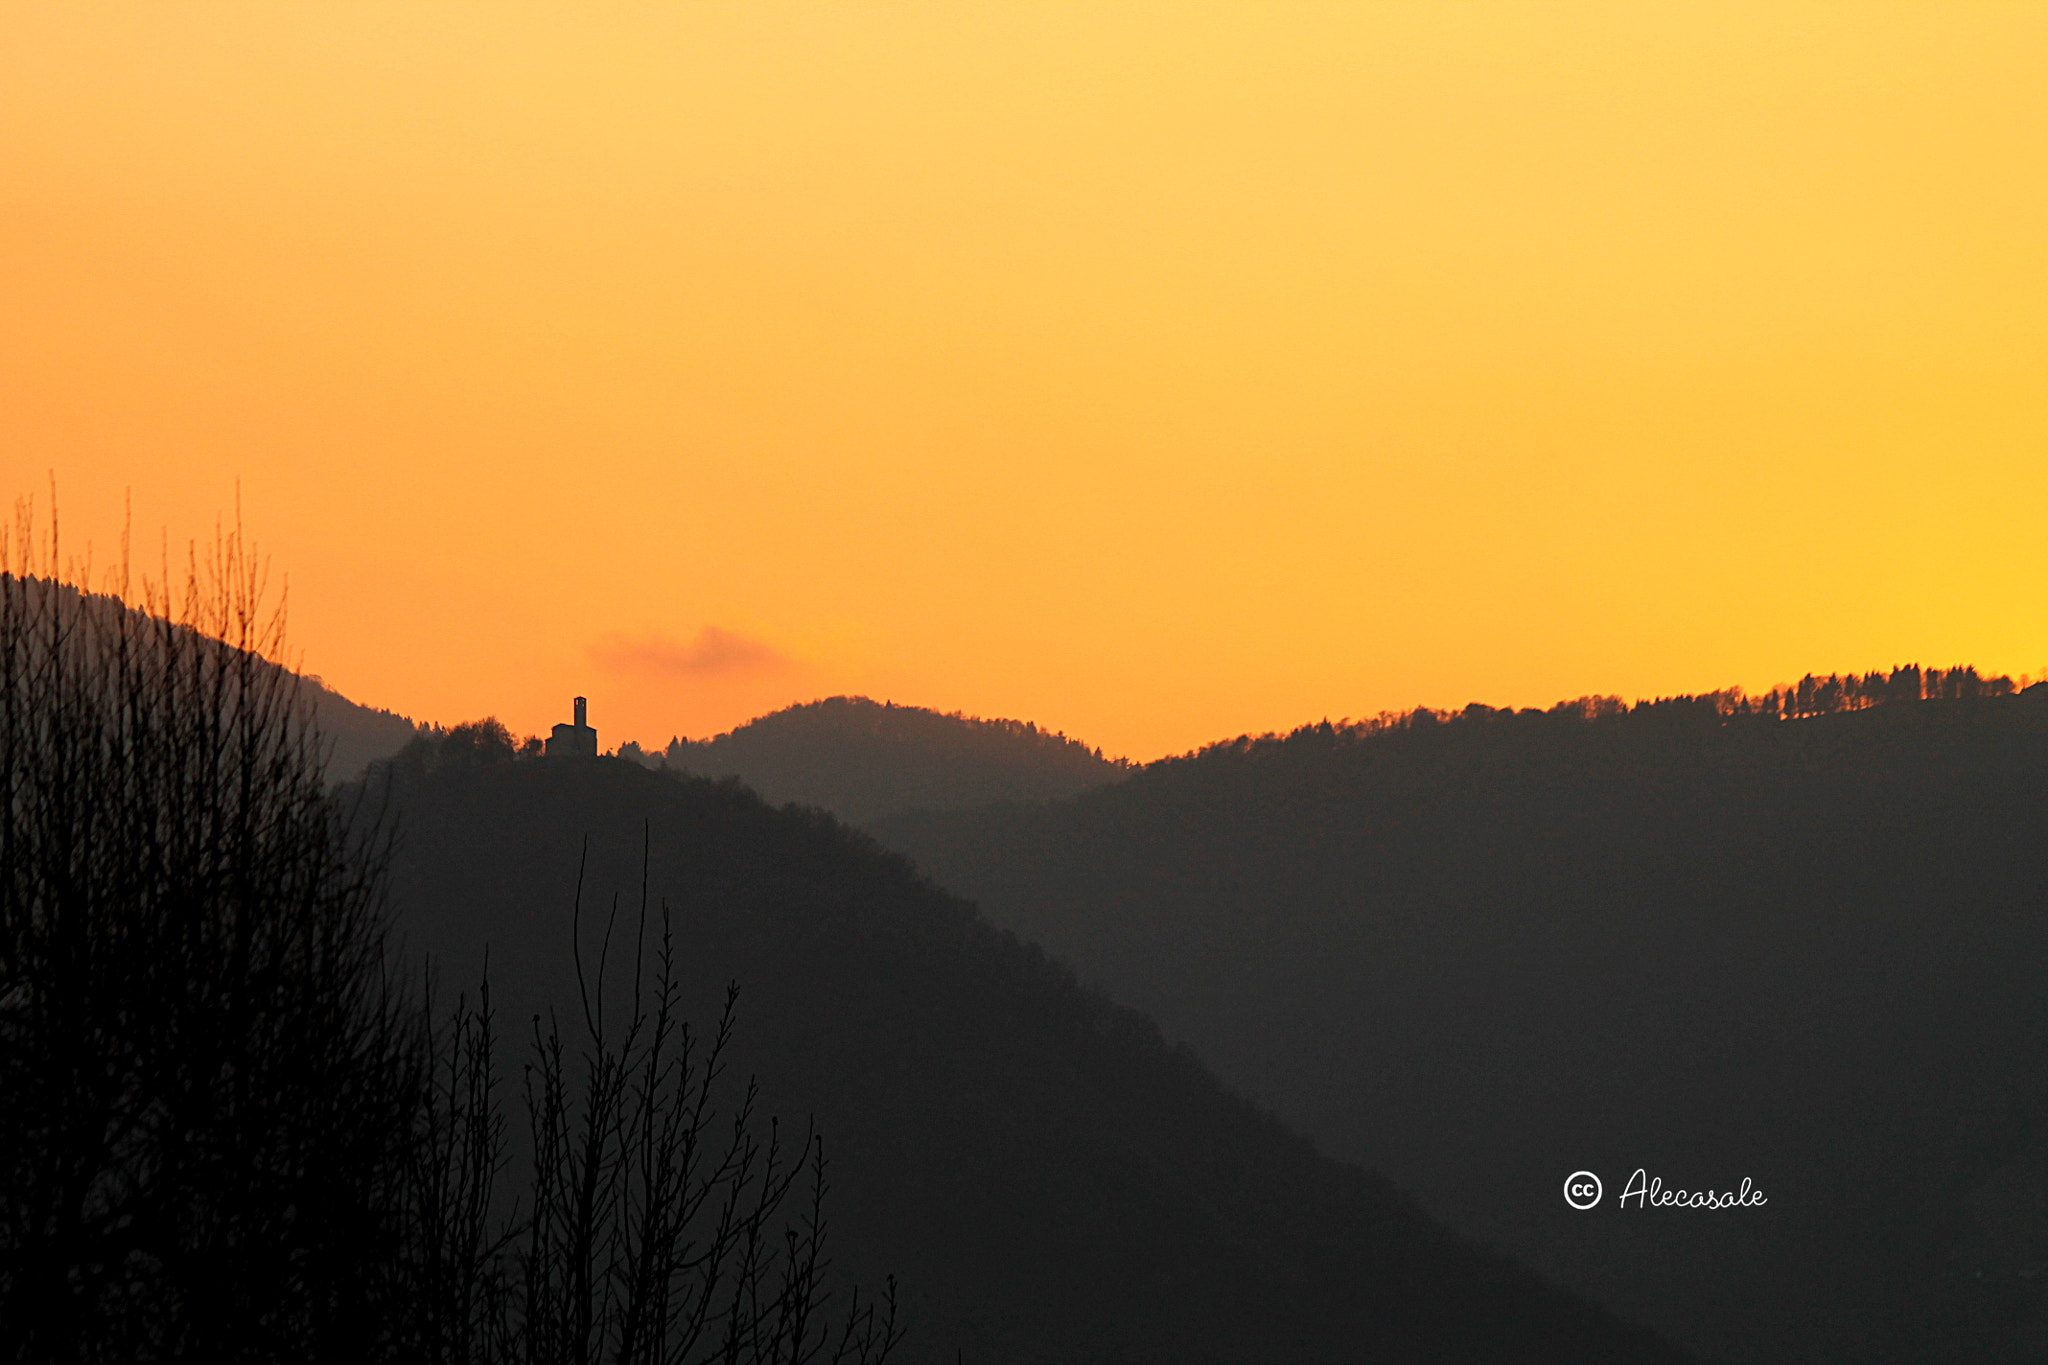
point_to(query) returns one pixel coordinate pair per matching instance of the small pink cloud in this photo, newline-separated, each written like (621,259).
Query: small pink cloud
(715,652)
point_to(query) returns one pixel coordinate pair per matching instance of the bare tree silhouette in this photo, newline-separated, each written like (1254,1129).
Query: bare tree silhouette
(205,1082)
(226,1135)
(653,1228)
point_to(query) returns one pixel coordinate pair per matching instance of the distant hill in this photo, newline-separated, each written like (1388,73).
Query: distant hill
(356,735)
(1482,951)
(862,759)
(1049,1178)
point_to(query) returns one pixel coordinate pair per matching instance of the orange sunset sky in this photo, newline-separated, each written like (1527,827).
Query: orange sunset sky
(1153,372)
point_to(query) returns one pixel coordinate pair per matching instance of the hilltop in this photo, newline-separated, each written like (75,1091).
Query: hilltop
(863,759)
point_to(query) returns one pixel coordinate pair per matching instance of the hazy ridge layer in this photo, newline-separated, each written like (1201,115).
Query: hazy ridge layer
(1480,952)
(353,735)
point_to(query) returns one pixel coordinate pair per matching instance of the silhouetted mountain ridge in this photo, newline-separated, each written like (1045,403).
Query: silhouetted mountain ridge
(1481,950)
(863,759)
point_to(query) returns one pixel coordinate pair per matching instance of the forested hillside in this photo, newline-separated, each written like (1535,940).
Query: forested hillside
(1050,1180)
(1797,938)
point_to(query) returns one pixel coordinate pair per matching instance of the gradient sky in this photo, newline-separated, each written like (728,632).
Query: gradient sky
(1156,373)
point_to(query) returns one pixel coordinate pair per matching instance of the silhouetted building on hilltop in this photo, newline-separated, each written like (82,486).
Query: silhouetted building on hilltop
(574,741)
